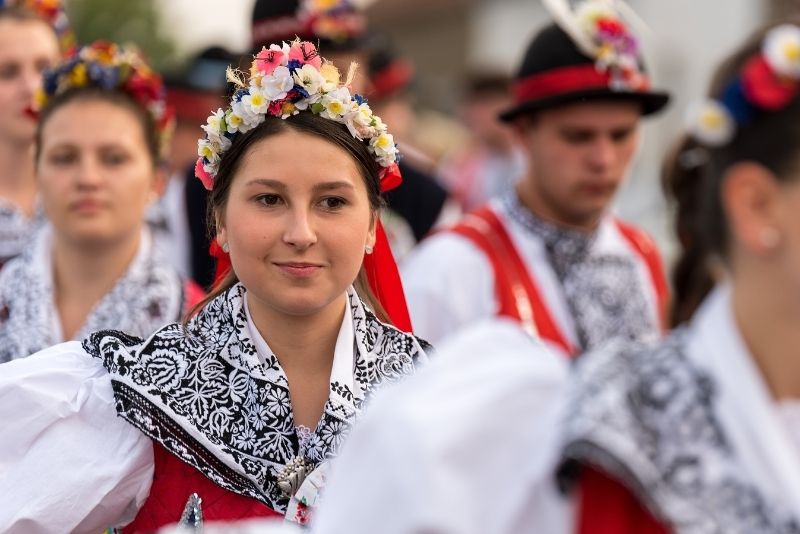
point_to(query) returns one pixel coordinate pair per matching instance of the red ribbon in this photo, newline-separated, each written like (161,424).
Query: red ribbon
(384,280)
(564,80)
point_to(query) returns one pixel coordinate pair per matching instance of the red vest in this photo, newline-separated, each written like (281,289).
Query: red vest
(515,288)
(174,481)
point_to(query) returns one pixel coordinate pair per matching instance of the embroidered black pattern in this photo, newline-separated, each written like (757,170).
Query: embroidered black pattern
(602,291)
(149,295)
(646,416)
(204,393)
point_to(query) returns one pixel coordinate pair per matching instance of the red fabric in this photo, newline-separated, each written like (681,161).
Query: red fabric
(193,105)
(606,507)
(384,280)
(193,294)
(648,251)
(223,261)
(394,77)
(563,80)
(510,274)
(174,481)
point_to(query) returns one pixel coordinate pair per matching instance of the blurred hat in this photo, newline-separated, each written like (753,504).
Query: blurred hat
(334,24)
(53,12)
(388,72)
(201,87)
(591,53)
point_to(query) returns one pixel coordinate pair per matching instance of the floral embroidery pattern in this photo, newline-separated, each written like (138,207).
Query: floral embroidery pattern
(647,417)
(204,393)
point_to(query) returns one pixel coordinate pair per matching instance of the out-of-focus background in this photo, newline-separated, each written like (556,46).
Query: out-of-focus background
(450,40)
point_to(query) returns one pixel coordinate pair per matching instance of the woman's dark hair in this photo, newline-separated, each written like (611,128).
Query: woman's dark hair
(115,97)
(307,123)
(694,174)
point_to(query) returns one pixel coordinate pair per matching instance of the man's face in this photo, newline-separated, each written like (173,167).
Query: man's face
(579,154)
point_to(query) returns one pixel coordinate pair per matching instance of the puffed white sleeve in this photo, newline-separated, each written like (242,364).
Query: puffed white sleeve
(67,462)
(448,284)
(468,445)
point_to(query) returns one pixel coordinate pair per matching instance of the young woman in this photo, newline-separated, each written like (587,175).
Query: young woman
(258,389)
(98,154)
(28,45)
(700,433)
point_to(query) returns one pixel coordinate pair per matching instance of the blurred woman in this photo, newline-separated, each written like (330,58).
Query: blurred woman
(28,45)
(98,154)
(700,433)
(244,404)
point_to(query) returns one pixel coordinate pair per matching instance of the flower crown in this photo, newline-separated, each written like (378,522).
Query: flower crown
(285,80)
(768,82)
(51,11)
(599,30)
(334,19)
(112,68)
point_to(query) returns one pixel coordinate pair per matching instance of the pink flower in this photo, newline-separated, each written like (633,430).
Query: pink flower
(202,175)
(305,52)
(268,60)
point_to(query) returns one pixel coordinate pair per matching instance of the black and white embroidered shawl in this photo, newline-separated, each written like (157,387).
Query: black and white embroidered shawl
(205,394)
(648,417)
(16,229)
(149,295)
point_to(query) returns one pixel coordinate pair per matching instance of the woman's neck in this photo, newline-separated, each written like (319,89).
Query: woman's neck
(17,183)
(768,317)
(304,342)
(82,276)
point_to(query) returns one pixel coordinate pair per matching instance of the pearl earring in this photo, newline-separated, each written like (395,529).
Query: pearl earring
(368,249)
(226,247)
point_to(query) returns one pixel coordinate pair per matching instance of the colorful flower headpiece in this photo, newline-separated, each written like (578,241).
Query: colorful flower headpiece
(51,11)
(599,30)
(768,82)
(112,68)
(334,19)
(284,81)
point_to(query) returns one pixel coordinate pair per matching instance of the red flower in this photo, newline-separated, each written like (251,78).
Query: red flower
(611,26)
(390,177)
(764,88)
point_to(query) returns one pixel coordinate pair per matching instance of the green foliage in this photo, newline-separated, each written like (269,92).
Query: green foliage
(125,22)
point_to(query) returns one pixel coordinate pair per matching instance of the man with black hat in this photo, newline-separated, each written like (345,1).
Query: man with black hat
(548,253)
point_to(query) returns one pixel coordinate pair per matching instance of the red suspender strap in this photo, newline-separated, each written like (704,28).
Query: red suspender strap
(646,248)
(515,289)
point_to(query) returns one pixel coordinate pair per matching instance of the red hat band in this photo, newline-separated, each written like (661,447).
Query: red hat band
(569,79)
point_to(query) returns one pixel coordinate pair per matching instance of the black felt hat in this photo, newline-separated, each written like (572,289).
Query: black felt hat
(555,71)
(338,29)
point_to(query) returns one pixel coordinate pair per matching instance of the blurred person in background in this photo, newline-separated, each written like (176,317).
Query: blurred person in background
(245,403)
(102,136)
(549,253)
(493,160)
(29,43)
(420,204)
(696,433)
(180,219)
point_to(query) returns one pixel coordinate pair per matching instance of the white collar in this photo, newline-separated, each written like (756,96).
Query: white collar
(745,405)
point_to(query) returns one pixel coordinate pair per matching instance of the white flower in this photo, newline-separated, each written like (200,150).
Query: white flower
(207,149)
(711,123)
(233,122)
(278,84)
(383,148)
(255,101)
(250,119)
(337,103)
(359,121)
(309,78)
(781,50)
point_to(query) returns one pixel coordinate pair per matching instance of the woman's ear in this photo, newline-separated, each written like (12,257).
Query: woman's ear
(221,232)
(159,183)
(751,197)
(373,230)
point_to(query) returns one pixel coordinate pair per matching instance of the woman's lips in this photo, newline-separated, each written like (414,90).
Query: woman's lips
(87,206)
(299,269)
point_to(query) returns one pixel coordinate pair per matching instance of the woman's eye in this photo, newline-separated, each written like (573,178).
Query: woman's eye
(333,203)
(269,200)
(114,158)
(9,71)
(62,158)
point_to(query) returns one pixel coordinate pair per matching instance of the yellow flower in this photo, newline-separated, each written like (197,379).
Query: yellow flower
(324,5)
(337,107)
(287,108)
(330,73)
(78,77)
(791,51)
